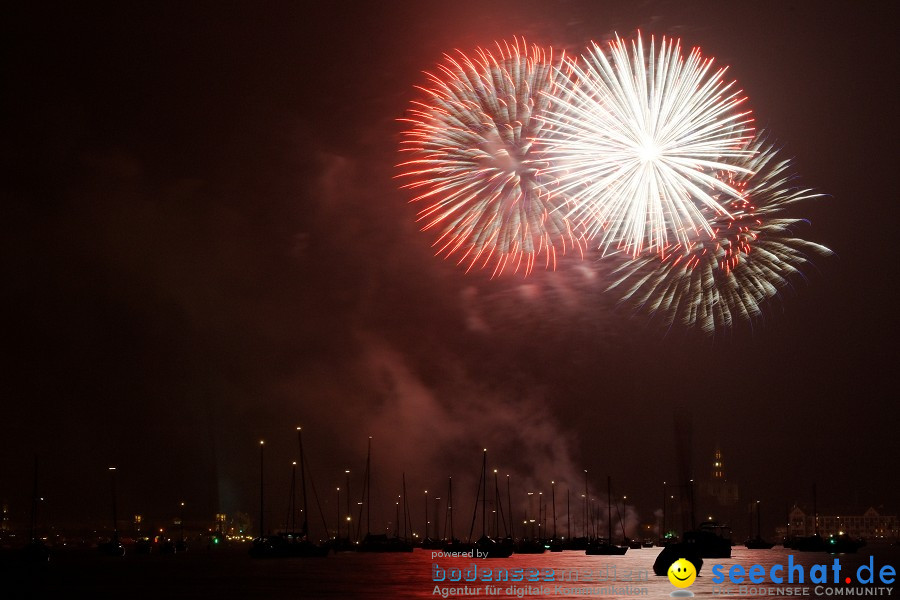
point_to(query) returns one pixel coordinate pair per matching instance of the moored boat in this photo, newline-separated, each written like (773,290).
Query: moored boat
(605,547)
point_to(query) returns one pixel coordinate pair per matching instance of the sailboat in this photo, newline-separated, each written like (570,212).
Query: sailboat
(288,544)
(606,547)
(114,546)
(809,543)
(530,544)
(582,542)
(632,544)
(711,539)
(451,543)
(344,544)
(758,543)
(554,544)
(431,543)
(35,550)
(380,542)
(300,545)
(487,546)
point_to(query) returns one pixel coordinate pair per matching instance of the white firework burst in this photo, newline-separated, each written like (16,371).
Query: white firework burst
(637,139)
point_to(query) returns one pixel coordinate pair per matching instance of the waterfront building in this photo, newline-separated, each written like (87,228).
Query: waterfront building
(870,525)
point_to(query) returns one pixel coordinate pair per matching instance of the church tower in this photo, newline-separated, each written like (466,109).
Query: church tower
(718,491)
(718,467)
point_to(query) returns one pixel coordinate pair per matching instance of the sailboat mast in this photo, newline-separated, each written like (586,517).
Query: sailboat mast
(609,508)
(542,516)
(553,497)
(347,473)
(450,505)
(662,529)
(292,502)
(758,528)
(509,506)
(405,512)
(585,529)
(498,508)
(262,511)
(34,500)
(368,484)
(483,493)
(815,511)
(305,523)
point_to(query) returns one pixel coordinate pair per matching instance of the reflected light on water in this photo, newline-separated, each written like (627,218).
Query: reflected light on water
(229,573)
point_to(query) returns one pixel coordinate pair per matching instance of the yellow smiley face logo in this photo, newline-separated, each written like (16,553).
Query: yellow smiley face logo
(682,573)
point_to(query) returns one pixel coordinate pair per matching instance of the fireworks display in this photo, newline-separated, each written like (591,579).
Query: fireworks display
(473,162)
(637,151)
(637,140)
(753,255)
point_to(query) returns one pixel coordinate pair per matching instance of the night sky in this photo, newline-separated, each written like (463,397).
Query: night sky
(202,245)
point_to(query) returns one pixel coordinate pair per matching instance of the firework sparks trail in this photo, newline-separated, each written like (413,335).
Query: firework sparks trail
(472,159)
(637,140)
(710,283)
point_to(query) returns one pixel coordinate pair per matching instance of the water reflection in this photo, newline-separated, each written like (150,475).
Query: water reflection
(232,574)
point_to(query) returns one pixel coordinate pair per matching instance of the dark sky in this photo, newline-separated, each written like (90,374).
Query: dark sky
(202,245)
